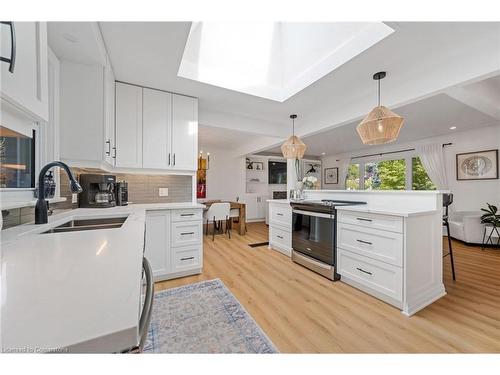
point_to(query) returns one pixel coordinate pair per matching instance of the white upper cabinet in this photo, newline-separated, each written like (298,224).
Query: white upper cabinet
(82,113)
(109,114)
(128,126)
(27,86)
(184,132)
(157,128)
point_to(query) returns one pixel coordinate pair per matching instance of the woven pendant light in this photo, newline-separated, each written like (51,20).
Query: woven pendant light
(293,148)
(381,125)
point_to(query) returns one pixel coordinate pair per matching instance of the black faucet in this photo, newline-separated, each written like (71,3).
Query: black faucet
(41,216)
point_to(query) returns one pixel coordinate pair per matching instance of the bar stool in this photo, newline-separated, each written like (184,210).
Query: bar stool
(447,201)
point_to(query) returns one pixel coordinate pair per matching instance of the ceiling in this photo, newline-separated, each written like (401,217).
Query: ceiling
(420,58)
(423,119)
(273,60)
(210,138)
(76,41)
(438,73)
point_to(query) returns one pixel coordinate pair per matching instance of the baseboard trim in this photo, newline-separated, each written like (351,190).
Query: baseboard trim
(424,300)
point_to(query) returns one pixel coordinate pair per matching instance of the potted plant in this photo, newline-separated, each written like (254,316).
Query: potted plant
(490,216)
(308,182)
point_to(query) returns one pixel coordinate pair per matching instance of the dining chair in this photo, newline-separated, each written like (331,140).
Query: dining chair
(447,201)
(217,213)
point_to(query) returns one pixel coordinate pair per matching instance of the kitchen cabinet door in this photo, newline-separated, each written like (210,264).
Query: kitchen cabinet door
(109,108)
(81,112)
(158,242)
(157,129)
(128,152)
(27,86)
(184,132)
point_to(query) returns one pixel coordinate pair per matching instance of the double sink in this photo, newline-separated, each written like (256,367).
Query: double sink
(88,224)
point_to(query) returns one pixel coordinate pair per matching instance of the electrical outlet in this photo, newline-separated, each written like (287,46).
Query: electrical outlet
(74,198)
(163,192)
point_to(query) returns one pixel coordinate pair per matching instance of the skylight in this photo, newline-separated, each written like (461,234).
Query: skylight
(273,60)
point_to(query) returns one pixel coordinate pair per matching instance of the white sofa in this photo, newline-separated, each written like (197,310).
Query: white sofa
(466,226)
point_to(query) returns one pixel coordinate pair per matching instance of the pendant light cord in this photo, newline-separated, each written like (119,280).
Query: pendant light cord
(379,92)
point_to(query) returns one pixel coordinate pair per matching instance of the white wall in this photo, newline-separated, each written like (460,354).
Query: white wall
(226,175)
(468,195)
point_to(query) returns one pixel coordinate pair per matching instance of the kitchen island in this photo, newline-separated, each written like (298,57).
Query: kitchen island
(77,291)
(390,247)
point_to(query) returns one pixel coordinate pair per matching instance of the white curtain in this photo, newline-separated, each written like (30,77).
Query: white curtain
(432,157)
(343,169)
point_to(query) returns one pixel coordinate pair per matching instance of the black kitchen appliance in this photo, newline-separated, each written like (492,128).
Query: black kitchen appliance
(98,191)
(314,235)
(121,192)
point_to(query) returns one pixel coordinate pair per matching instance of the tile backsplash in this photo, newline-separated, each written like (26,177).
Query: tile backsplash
(142,188)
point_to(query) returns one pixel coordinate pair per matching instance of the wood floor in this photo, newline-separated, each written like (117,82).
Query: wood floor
(306,313)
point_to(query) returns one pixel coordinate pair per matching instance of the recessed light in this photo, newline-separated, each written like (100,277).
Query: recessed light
(453,127)
(323,153)
(70,38)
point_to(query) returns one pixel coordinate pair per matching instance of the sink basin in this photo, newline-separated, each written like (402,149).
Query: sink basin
(88,224)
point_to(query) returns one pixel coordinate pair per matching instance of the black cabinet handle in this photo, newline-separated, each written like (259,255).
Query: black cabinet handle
(12,60)
(186,233)
(169,158)
(362,270)
(114,154)
(174,159)
(187,214)
(366,242)
(279,237)
(108,142)
(363,219)
(279,214)
(187,258)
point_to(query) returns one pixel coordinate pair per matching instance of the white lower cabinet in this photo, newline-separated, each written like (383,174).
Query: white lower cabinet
(174,246)
(280,227)
(387,257)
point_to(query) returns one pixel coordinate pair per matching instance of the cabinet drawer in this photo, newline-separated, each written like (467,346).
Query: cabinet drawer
(381,277)
(280,237)
(186,233)
(369,220)
(374,243)
(281,214)
(186,258)
(186,215)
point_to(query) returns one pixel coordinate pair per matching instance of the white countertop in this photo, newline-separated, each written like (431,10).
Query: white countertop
(405,212)
(9,205)
(388,210)
(72,289)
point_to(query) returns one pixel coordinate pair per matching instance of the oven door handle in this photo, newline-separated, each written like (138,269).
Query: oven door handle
(316,214)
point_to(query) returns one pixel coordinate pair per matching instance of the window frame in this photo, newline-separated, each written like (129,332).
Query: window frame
(407,156)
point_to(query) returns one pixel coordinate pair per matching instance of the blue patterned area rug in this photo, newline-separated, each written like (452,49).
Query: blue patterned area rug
(203,318)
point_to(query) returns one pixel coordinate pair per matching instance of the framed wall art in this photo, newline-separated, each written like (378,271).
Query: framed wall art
(331,175)
(479,165)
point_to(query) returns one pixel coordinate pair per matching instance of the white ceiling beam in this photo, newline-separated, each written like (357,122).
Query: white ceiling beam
(233,122)
(475,101)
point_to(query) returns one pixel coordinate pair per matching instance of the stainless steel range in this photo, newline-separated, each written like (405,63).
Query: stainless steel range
(314,234)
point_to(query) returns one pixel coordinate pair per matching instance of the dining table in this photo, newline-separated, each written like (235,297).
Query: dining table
(241,207)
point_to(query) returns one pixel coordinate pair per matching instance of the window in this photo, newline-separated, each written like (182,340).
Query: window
(17,159)
(420,179)
(385,175)
(389,174)
(352,181)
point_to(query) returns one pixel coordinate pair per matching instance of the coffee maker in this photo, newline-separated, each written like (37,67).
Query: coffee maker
(98,191)
(121,191)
